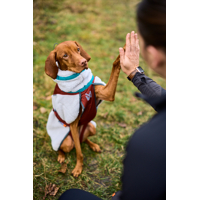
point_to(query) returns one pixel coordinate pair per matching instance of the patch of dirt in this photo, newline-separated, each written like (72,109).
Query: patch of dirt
(63,168)
(93,164)
(108,147)
(104,182)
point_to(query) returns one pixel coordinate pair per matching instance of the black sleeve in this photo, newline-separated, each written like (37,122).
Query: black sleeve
(147,86)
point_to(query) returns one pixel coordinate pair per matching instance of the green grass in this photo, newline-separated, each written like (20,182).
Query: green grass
(100,27)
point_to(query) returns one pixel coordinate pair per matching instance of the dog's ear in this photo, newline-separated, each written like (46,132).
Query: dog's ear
(51,68)
(83,52)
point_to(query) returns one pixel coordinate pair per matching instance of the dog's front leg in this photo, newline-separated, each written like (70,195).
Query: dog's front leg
(79,156)
(107,92)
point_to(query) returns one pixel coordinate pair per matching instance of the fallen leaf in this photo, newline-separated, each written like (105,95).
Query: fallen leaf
(63,168)
(50,189)
(45,192)
(133,99)
(35,106)
(54,191)
(105,115)
(123,125)
(43,110)
(48,98)
(139,113)
(48,93)
(121,136)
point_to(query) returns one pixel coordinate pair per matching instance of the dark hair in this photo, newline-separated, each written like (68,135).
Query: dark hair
(151,21)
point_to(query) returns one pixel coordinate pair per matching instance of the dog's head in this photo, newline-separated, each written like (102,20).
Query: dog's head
(67,55)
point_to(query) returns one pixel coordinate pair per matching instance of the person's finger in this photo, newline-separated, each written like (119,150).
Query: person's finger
(132,41)
(121,53)
(137,42)
(128,43)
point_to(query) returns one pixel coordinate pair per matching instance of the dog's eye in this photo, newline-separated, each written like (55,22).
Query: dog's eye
(78,49)
(65,55)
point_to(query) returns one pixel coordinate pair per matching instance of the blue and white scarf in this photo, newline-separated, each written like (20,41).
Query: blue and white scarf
(72,82)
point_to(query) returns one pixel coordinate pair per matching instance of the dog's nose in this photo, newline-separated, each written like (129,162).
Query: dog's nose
(83,62)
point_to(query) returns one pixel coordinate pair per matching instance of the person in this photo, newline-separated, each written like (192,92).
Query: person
(144,166)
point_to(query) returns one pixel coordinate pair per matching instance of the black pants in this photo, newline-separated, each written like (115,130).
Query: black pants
(77,194)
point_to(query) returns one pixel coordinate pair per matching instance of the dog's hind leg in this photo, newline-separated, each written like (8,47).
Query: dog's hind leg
(93,146)
(66,146)
(90,131)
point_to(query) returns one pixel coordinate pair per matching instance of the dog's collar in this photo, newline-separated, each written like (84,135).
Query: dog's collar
(69,81)
(84,87)
(67,75)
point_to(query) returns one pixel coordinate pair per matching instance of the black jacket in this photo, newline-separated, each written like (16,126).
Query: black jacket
(144,172)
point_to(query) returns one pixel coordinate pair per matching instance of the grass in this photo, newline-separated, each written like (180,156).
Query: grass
(100,27)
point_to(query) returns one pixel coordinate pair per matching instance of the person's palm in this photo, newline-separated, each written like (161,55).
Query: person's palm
(129,60)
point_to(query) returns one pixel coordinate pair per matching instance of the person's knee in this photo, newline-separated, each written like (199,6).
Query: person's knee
(69,194)
(77,194)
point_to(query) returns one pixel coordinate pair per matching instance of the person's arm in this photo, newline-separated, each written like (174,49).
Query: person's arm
(146,85)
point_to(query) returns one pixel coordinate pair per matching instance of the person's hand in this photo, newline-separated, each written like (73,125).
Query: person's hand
(129,60)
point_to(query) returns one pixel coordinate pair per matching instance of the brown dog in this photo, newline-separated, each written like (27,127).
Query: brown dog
(71,56)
